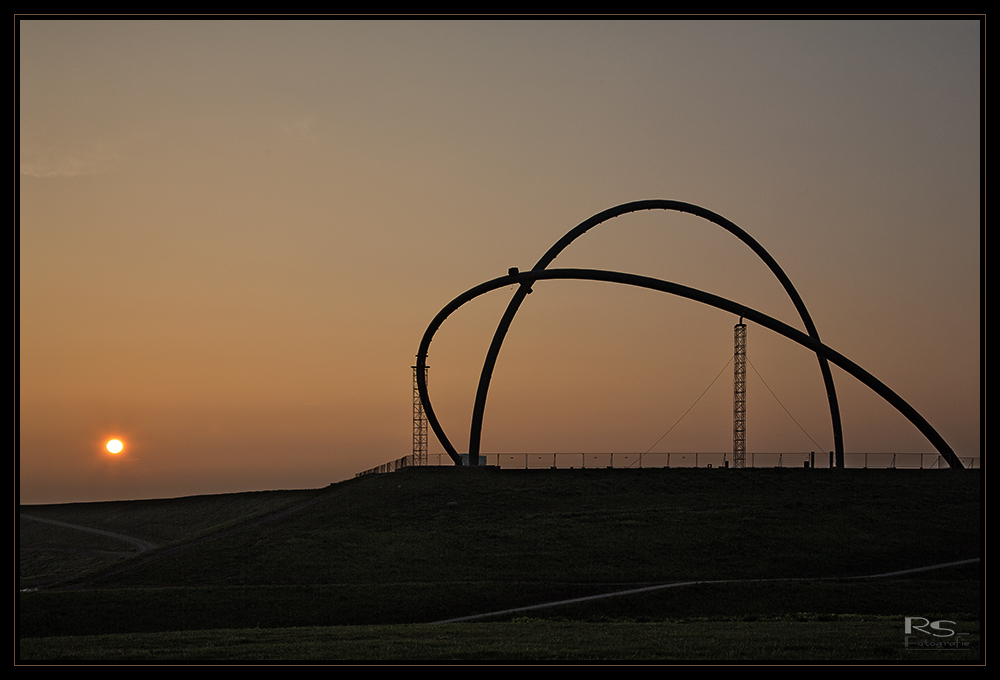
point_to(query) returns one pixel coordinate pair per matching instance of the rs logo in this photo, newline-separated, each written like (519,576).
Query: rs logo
(919,623)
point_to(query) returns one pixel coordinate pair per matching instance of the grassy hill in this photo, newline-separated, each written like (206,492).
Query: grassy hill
(430,544)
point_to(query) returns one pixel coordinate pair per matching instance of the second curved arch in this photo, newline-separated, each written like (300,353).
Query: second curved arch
(479,407)
(527,278)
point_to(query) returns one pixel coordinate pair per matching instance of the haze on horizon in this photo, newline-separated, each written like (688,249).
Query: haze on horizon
(232,235)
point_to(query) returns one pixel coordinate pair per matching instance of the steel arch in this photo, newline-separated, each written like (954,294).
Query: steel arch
(479,407)
(527,278)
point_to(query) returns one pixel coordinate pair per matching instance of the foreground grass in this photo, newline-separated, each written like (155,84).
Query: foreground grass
(793,638)
(941,594)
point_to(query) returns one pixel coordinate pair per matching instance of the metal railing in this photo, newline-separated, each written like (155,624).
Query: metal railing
(538,461)
(392,466)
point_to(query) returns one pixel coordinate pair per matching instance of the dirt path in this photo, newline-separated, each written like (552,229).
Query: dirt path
(140,545)
(692,583)
(267,518)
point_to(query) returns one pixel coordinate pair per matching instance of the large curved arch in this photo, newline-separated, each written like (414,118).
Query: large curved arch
(479,407)
(528,278)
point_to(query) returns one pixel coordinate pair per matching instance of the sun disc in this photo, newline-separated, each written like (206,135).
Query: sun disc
(115,446)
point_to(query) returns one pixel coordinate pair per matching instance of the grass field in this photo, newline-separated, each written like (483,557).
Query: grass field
(357,571)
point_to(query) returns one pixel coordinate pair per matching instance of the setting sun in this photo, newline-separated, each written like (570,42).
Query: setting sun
(115,446)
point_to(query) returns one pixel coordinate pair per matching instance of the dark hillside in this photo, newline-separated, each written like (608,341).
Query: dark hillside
(432,543)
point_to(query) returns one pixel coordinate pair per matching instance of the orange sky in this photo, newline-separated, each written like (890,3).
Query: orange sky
(233,235)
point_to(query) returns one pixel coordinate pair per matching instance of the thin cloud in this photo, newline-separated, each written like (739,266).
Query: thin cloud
(44,160)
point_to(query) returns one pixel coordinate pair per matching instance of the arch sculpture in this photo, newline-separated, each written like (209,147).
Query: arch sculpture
(524,280)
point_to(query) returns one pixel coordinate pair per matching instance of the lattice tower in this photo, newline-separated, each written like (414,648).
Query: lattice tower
(740,394)
(419,423)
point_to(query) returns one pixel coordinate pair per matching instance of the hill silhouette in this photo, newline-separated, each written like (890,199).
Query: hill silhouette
(429,544)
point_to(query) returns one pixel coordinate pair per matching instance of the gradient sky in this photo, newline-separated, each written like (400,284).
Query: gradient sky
(234,233)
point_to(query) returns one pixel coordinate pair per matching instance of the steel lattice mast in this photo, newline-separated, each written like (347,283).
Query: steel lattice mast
(740,394)
(419,422)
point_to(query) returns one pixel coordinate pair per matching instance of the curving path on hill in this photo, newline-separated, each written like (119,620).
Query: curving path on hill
(161,553)
(140,545)
(681,584)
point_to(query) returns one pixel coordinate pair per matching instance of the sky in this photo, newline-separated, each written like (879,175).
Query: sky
(233,234)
